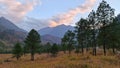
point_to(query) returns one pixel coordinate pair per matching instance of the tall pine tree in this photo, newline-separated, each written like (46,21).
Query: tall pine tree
(64,43)
(93,29)
(80,31)
(32,42)
(105,15)
(69,40)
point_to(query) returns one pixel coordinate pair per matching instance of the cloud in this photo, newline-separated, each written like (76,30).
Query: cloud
(29,23)
(67,18)
(64,18)
(15,10)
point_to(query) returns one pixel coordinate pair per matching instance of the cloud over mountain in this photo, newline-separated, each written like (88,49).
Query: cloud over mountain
(63,18)
(16,11)
(67,18)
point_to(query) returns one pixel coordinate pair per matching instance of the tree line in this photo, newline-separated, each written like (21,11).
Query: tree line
(33,45)
(100,29)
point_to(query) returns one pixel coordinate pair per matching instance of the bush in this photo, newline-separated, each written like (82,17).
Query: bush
(17,51)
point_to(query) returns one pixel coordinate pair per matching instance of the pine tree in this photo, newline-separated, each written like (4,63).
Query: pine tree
(93,29)
(105,15)
(69,40)
(64,43)
(113,35)
(17,51)
(32,42)
(81,33)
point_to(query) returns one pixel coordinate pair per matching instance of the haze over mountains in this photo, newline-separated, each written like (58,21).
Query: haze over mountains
(11,33)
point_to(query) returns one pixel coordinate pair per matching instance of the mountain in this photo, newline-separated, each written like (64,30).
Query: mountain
(57,31)
(51,39)
(10,32)
(6,24)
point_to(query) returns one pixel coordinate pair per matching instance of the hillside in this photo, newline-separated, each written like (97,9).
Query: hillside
(57,31)
(51,39)
(10,32)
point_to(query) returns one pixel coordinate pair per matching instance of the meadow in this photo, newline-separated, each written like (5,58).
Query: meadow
(61,61)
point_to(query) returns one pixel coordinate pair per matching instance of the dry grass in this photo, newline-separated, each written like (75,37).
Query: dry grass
(61,61)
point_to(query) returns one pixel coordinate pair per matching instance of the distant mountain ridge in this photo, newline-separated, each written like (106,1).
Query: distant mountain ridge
(51,39)
(10,32)
(57,31)
(9,25)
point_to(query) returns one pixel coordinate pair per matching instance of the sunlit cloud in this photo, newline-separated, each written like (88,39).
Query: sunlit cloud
(29,23)
(15,10)
(68,17)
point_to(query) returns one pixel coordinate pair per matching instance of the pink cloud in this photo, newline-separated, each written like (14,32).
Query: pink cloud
(15,10)
(67,18)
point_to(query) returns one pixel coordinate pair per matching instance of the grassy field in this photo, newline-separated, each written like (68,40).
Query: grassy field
(61,61)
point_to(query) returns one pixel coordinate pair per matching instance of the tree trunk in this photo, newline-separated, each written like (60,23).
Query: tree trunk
(94,43)
(32,57)
(86,44)
(32,54)
(86,47)
(69,52)
(104,48)
(95,47)
(95,51)
(82,49)
(113,50)
(104,40)
(17,58)
(64,51)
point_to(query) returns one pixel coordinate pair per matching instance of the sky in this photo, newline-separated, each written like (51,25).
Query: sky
(37,14)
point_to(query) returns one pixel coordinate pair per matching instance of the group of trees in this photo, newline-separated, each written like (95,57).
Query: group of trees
(33,45)
(68,41)
(100,29)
